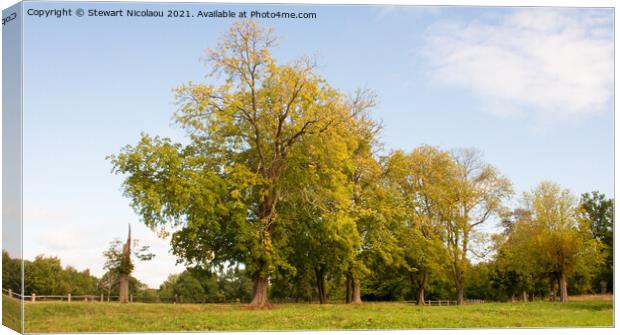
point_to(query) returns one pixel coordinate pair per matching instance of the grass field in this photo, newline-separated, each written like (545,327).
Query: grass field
(11,313)
(105,317)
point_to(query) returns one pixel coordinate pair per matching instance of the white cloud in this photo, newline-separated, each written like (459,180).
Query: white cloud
(555,63)
(44,214)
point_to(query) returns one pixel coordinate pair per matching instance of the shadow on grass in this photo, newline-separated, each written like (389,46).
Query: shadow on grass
(590,306)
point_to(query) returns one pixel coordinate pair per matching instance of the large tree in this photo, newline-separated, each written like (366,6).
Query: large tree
(423,180)
(222,191)
(559,242)
(478,191)
(375,211)
(320,229)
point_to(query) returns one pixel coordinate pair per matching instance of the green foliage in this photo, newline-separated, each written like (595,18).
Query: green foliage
(197,285)
(46,276)
(599,212)
(281,172)
(223,192)
(562,242)
(182,288)
(234,284)
(420,183)
(548,239)
(11,272)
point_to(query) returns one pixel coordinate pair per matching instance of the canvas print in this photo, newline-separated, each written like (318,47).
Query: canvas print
(247,167)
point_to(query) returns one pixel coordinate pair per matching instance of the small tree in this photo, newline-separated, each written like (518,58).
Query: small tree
(118,262)
(106,283)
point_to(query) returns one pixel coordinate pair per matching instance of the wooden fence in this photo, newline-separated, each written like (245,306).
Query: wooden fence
(88,298)
(104,298)
(68,297)
(450,302)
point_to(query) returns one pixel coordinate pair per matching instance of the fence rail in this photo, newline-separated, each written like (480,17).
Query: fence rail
(450,302)
(105,298)
(89,298)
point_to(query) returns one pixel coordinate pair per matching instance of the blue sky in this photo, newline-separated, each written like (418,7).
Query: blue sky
(531,88)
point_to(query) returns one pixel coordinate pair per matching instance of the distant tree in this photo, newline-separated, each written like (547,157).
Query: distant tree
(189,288)
(107,283)
(479,282)
(596,209)
(119,263)
(11,273)
(182,287)
(235,284)
(46,276)
(43,275)
(79,282)
(556,239)
(515,271)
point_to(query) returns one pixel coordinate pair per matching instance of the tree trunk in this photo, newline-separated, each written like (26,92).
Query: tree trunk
(460,296)
(603,285)
(320,284)
(421,285)
(458,278)
(563,288)
(420,299)
(552,289)
(349,291)
(123,288)
(260,298)
(267,213)
(356,294)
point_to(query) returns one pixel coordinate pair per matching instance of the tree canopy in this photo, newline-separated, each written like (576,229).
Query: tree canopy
(283,175)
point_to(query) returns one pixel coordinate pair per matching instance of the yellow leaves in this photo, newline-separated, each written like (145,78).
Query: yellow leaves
(550,236)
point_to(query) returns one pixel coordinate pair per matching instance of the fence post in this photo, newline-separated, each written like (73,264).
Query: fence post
(33,298)
(69,297)
(10,293)
(101,297)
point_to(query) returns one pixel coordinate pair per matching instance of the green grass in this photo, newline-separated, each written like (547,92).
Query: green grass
(11,313)
(107,317)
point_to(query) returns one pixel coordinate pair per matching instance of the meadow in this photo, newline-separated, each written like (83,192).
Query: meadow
(135,317)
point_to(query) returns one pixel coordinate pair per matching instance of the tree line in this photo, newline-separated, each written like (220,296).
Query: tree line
(46,276)
(286,175)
